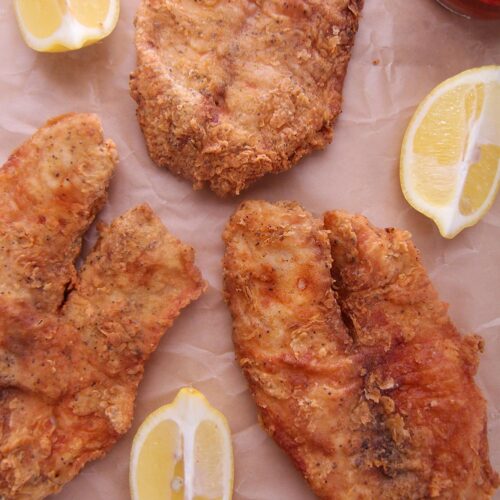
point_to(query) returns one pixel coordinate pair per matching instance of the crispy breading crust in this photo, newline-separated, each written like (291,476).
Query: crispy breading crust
(51,188)
(73,345)
(361,378)
(228,91)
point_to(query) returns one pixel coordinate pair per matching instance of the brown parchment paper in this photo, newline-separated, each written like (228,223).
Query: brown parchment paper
(403,49)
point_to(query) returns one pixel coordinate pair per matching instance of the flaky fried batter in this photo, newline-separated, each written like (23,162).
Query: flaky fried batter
(229,90)
(73,345)
(356,368)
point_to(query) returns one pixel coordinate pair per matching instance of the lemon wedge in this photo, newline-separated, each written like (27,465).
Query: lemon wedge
(450,158)
(182,451)
(61,25)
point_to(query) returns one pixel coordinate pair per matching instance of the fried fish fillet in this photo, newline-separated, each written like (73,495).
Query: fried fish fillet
(73,344)
(356,368)
(230,90)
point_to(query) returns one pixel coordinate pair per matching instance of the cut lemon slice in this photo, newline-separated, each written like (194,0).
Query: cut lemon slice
(60,25)
(182,451)
(450,159)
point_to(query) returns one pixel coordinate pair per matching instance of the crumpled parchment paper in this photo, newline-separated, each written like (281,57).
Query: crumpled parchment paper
(403,49)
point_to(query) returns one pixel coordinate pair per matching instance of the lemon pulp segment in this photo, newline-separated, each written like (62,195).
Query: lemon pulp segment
(89,12)
(440,139)
(42,17)
(158,461)
(480,179)
(208,470)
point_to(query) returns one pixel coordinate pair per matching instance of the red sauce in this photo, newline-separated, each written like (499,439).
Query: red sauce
(485,9)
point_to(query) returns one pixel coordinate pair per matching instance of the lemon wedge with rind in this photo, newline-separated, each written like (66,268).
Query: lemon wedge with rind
(62,25)
(182,451)
(450,158)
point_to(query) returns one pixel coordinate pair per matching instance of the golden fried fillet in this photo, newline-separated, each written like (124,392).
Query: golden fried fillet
(229,90)
(73,345)
(360,377)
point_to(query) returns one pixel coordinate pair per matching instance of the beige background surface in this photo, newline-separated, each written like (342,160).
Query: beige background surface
(418,45)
